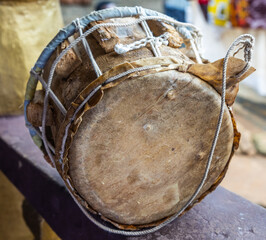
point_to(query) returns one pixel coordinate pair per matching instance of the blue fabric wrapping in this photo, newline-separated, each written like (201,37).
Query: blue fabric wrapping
(27,123)
(49,49)
(176,4)
(185,32)
(26,103)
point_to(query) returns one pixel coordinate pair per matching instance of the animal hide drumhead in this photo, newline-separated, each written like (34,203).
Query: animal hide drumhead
(140,153)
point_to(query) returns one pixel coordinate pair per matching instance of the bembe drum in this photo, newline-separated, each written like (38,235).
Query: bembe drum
(136,122)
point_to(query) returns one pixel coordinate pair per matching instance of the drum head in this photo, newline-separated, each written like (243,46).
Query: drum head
(141,152)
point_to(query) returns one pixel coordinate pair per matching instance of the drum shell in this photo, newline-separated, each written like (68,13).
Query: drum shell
(78,81)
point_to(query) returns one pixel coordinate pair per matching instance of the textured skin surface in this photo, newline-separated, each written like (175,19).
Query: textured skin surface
(141,152)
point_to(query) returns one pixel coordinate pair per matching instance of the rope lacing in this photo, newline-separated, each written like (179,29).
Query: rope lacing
(157,41)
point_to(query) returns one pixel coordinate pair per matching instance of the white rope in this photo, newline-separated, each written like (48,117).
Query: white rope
(194,42)
(140,69)
(154,41)
(195,50)
(53,96)
(247,45)
(37,130)
(149,34)
(88,50)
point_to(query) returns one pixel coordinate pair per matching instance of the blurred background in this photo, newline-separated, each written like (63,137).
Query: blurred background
(220,21)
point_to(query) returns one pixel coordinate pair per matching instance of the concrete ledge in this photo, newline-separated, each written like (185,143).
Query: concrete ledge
(221,215)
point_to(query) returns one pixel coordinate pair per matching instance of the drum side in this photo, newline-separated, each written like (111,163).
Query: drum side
(139,155)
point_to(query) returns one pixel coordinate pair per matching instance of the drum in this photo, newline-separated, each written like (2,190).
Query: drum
(128,113)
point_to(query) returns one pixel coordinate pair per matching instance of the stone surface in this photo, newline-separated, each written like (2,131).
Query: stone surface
(224,218)
(246,174)
(246,145)
(221,215)
(260,142)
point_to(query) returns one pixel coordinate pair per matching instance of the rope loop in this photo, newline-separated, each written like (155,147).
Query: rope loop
(247,41)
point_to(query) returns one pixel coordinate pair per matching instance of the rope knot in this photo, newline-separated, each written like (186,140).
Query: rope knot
(157,41)
(247,42)
(248,50)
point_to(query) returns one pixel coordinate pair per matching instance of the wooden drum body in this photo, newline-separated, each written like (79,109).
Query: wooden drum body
(140,116)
